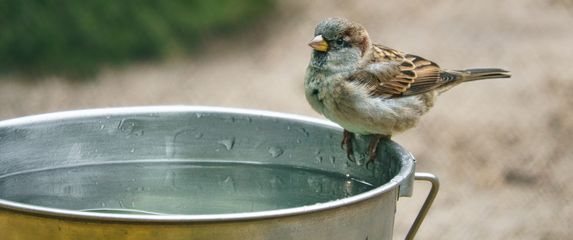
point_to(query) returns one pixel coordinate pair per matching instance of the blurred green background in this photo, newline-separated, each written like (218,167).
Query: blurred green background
(78,37)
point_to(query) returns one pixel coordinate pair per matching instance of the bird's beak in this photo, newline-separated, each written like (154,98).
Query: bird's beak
(318,44)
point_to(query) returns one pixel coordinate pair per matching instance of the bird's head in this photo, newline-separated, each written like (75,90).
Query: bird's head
(341,39)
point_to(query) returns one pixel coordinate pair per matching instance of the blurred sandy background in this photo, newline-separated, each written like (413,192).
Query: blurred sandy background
(503,149)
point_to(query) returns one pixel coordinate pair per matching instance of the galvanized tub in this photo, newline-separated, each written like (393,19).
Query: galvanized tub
(195,173)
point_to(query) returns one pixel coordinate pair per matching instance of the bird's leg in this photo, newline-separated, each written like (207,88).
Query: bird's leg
(347,145)
(373,147)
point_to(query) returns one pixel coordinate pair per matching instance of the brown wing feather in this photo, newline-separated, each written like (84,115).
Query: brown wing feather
(413,74)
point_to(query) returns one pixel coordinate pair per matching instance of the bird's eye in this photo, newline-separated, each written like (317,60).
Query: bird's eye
(339,41)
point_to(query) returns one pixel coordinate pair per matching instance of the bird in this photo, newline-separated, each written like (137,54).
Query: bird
(371,89)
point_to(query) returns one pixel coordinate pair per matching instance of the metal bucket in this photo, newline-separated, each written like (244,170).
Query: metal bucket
(194,173)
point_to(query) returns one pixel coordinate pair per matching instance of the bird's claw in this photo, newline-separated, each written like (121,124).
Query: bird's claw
(369,163)
(350,157)
(373,148)
(346,144)
(371,157)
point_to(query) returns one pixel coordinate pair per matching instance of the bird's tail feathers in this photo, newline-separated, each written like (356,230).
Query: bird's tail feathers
(454,77)
(474,74)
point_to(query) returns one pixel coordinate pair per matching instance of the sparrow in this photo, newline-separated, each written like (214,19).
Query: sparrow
(371,89)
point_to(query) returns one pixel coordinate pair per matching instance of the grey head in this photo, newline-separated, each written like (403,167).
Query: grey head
(338,41)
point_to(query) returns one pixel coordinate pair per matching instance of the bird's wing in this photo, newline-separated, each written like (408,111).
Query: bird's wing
(391,73)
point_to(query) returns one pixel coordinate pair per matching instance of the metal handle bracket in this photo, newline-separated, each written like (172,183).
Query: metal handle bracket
(427,204)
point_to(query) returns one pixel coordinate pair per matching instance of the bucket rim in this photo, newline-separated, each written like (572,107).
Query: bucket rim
(406,170)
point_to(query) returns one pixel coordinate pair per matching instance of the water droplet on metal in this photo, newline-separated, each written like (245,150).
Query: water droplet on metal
(232,119)
(228,143)
(304,132)
(332,159)
(102,127)
(288,127)
(198,115)
(129,127)
(198,135)
(132,150)
(275,151)
(169,146)
(317,151)
(319,159)
(298,141)
(276,182)
(169,178)
(228,184)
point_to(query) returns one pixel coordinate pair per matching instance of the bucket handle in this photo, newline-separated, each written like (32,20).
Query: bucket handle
(427,204)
